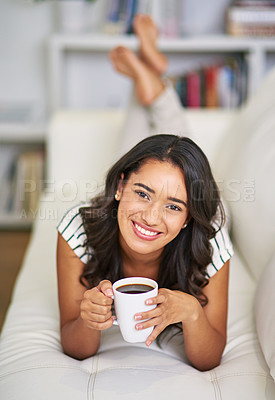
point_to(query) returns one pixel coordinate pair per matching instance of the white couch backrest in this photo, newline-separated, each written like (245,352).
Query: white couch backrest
(245,167)
(81,146)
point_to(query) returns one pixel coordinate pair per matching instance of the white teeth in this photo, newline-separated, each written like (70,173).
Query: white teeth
(144,231)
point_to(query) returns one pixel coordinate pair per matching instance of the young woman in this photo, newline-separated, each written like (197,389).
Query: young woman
(160,217)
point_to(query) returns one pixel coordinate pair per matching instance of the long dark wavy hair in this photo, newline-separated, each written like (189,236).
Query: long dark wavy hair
(185,259)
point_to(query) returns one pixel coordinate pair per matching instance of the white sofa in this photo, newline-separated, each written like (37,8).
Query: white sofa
(81,145)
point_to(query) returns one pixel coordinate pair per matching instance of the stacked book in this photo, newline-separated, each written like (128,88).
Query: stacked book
(120,14)
(213,86)
(251,18)
(21,182)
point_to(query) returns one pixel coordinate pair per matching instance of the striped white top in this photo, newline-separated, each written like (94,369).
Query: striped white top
(72,229)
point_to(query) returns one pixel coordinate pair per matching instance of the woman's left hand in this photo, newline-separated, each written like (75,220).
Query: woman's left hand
(173,306)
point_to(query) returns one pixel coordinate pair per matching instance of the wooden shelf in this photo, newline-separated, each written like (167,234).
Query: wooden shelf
(10,221)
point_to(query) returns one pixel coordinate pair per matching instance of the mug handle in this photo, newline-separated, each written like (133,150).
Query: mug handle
(115,320)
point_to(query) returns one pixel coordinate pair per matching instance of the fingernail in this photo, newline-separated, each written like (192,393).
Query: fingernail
(109,292)
(139,326)
(138,317)
(148,301)
(148,342)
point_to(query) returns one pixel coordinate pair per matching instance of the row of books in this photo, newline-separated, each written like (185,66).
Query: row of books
(213,86)
(251,18)
(243,17)
(120,14)
(21,182)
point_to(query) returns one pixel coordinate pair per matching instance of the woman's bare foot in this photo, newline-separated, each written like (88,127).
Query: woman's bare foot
(147,32)
(148,85)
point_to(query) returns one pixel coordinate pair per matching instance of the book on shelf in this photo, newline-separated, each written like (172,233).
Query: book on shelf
(251,18)
(193,92)
(211,98)
(222,85)
(22,184)
(120,14)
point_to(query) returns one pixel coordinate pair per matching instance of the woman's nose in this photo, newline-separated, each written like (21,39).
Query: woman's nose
(153,214)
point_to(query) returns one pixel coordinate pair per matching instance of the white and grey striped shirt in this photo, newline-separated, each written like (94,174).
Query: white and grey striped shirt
(72,229)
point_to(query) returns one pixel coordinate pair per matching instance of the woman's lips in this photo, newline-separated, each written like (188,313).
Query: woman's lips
(144,232)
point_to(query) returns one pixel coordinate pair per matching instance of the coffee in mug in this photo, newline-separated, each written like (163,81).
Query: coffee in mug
(134,288)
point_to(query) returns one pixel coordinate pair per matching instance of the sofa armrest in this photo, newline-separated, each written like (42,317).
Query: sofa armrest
(265,314)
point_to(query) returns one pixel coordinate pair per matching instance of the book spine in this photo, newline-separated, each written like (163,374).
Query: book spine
(211,92)
(113,11)
(130,13)
(193,89)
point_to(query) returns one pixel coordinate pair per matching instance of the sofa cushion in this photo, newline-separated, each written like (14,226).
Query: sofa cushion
(265,314)
(244,167)
(32,361)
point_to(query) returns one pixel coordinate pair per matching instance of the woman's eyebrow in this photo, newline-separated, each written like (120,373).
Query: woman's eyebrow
(177,201)
(144,187)
(152,191)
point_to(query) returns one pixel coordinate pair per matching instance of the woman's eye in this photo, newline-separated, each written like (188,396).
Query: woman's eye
(142,194)
(173,207)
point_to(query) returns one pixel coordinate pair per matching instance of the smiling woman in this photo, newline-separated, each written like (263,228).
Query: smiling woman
(160,217)
(148,207)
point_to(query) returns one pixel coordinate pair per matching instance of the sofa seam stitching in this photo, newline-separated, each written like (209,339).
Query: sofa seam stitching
(183,373)
(42,366)
(251,373)
(215,383)
(92,378)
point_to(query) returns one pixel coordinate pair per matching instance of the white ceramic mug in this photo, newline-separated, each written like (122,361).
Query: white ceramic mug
(129,304)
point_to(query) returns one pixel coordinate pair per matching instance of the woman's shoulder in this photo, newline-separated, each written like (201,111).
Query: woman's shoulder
(222,249)
(71,218)
(71,228)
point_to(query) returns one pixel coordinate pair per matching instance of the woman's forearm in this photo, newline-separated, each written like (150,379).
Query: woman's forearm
(78,340)
(203,344)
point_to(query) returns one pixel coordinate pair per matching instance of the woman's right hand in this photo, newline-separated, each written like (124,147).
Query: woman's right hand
(95,307)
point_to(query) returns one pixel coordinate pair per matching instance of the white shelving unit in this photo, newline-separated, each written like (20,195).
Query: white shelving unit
(22,133)
(255,50)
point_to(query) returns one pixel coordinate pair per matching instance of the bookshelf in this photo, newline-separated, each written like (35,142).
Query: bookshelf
(18,143)
(256,51)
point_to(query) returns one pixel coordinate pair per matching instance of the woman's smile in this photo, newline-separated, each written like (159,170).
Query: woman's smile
(145,232)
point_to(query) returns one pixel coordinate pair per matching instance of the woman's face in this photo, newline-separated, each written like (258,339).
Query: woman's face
(152,208)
